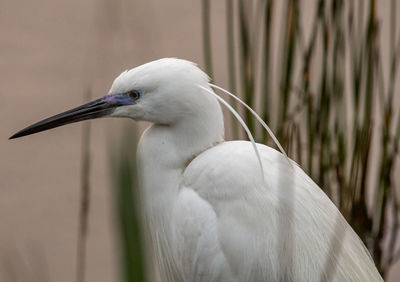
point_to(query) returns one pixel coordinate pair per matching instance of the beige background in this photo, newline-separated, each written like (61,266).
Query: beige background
(50,52)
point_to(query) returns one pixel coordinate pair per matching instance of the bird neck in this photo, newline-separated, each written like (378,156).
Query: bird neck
(164,152)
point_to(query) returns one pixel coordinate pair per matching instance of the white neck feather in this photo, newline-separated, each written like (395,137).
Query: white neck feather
(165,150)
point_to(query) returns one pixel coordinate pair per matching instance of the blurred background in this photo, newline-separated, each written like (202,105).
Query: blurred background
(322,73)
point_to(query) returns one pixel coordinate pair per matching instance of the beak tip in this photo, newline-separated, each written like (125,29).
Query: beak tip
(20,133)
(14,136)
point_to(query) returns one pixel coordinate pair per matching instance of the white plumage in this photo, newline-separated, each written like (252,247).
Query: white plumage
(211,214)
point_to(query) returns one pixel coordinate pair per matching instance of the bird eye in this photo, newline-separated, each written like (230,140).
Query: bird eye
(135,94)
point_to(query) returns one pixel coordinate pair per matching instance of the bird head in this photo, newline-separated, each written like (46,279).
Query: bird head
(162,92)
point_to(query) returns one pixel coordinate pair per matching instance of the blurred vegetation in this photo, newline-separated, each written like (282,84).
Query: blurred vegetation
(84,199)
(335,106)
(127,205)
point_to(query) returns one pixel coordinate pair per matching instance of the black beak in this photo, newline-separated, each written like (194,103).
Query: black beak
(96,109)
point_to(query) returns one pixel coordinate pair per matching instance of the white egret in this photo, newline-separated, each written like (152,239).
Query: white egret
(218,210)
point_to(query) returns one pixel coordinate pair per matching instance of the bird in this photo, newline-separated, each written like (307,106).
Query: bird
(218,210)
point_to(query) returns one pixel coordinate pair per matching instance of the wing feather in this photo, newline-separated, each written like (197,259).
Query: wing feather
(283,229)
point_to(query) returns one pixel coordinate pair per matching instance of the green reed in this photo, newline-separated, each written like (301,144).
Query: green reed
(127,205)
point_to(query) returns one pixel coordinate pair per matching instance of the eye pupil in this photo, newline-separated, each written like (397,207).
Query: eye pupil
(135,94)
